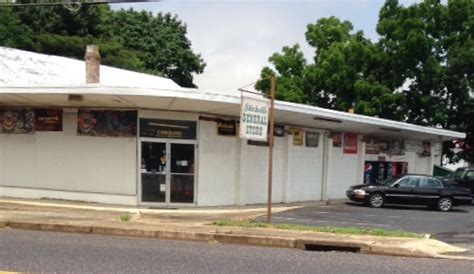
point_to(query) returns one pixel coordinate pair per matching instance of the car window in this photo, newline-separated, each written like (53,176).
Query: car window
(408,182)
(470,176)
(458,173)
(429,183)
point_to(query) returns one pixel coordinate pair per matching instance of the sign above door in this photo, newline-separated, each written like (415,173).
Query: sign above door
(167,129)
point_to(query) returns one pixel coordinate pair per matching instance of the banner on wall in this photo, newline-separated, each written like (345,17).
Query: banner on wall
(350,143)
(254,119)
(49,119)
(113,123)
(17,121)
(226,127)
(312,139)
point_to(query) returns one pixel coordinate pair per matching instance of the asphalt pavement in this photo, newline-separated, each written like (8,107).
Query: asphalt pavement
(33,251)
(455,227)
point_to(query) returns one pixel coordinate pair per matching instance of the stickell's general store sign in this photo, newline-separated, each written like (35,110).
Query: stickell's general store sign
(254,119)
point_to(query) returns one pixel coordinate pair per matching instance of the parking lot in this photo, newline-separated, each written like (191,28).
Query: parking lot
(456,226)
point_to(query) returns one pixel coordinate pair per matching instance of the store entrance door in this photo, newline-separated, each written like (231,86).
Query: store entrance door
(167,171)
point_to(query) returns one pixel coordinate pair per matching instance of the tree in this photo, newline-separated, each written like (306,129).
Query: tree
(420,71)
(12,32)
(429,46)
(127,39)
(161,41)
(343,75)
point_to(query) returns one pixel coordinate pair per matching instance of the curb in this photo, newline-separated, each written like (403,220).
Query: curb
(230,238)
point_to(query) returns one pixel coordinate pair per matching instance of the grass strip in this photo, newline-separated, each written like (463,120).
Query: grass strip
(327,229)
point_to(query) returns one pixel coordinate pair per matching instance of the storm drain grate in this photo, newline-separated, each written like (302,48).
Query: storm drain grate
(328,248)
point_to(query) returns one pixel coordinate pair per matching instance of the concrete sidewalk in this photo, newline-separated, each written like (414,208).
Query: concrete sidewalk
(193,224)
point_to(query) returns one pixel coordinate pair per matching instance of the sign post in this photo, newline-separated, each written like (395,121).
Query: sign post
(257,124)
(270,156)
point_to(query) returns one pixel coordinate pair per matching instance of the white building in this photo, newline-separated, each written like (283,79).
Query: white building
(65,139)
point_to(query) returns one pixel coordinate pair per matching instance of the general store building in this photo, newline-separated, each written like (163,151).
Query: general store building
(137,139)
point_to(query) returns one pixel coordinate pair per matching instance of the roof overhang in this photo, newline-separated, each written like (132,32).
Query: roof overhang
(192,100)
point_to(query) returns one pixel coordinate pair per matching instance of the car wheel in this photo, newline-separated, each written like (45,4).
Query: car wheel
(445,204)
(376,200)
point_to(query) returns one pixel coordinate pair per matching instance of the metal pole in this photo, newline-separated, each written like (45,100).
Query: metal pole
(270,144)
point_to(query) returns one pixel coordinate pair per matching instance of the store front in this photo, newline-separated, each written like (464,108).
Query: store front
(168,162)
(136,139)
(388,157)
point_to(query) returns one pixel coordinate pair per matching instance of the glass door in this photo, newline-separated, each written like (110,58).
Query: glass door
(182,173)
(153,171)
(167,172)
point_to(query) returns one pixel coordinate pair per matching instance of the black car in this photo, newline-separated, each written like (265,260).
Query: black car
(411,189)
(462,177)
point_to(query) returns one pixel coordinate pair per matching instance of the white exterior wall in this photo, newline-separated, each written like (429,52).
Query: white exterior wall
(219,172)
(344,170)
(304,171)
(64,161)
(254,172)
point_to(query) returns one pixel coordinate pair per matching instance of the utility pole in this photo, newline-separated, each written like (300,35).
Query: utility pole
(270,145)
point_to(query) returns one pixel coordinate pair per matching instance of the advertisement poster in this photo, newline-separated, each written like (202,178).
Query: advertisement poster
(49,119)
(414,146)
(397,147)
(254,119)
(337,140)
(312,139)
(426,152)
(350,143)
(298,135)
(113,123)
(279,131)
(372,147)
(169,129)
(383,146)
(17,121)
(226,127)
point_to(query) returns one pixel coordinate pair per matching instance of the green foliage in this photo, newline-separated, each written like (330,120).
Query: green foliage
(4,223)
(128,39)
(12,32)
(420,71)
(125,218)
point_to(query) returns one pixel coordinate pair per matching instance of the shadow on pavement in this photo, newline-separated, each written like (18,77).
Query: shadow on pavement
(407,207)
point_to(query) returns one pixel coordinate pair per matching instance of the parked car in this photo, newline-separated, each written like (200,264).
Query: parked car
(463,177)
(411,189)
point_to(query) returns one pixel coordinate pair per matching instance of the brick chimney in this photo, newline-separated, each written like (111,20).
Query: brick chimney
(92,58)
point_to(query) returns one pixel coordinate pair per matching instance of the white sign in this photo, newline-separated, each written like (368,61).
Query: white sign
(254,119)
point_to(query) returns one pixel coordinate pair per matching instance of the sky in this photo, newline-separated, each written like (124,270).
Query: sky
(236,38)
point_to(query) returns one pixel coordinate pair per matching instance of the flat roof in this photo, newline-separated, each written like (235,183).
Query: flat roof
(194,100)
(39,80)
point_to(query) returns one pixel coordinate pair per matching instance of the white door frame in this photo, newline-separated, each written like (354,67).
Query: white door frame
(168,143)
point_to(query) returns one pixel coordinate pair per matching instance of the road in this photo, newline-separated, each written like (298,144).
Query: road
(34,251)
